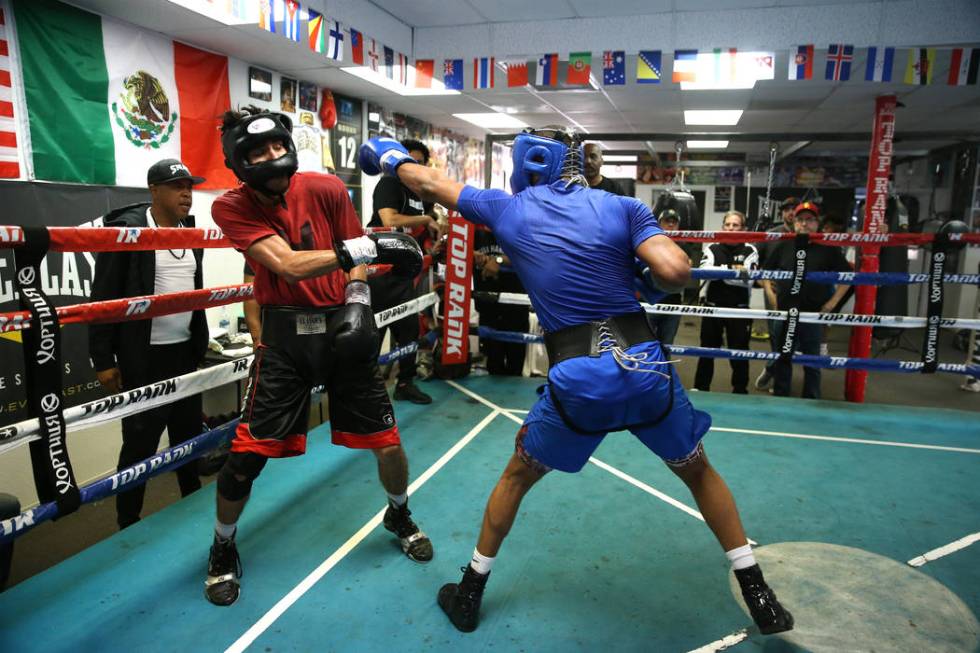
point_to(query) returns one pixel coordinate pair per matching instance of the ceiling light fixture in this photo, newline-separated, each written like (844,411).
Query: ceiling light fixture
(712,116)
(619,158)
(492,120)
(707,145)
(379,79)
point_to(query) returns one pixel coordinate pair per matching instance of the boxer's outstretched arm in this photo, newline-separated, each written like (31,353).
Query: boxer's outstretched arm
(430,185)
(669,265)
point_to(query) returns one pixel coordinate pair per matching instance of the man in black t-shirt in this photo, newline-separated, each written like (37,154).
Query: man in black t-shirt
(593,171)
(488,258)
(818,297)
(396,206)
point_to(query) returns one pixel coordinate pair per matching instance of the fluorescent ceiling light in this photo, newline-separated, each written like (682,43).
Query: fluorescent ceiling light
(712,116)
(492,120)
(725,69)
(718,86)
(707,145)
(625,158)
(379,79)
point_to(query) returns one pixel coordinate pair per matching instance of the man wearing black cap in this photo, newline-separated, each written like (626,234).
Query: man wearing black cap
(132,354)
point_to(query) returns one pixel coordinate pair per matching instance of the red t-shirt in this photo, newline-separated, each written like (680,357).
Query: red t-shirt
(318,211)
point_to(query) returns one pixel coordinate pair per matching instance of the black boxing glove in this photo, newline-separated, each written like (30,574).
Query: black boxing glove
(399,250)
(356,334)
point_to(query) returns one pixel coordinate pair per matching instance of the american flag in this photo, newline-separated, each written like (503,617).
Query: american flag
(9,161)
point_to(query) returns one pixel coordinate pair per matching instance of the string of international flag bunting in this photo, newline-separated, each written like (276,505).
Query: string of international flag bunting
(327,36)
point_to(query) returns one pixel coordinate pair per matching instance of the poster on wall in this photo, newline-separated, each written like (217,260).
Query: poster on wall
(307,96)
(723,199)
(287,95)
(259,84)
(345,140)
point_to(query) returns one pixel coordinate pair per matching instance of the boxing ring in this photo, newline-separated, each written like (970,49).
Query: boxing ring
(863,517)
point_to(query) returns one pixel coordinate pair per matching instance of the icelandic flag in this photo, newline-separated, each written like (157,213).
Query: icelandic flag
(389,63)
(801,64)
(547,72)
(880,63)
(335,42)
(291,21)
(483,72)
(614,67)
(839,58)
(685,66)
(452,74)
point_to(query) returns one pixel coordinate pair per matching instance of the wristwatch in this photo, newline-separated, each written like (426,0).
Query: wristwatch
(499,260)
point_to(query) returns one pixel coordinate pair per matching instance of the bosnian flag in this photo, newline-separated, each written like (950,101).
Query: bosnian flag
(483,72)
(880,63)
(801,64)
(547,72)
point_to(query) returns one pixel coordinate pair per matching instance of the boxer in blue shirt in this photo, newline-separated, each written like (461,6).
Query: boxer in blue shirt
(574,250)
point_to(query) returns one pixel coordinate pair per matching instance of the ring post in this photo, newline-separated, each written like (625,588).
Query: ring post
(879,170)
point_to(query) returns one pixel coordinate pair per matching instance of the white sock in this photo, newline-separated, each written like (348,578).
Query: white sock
(741,557)
(481,564)
(397,500)
(224,531)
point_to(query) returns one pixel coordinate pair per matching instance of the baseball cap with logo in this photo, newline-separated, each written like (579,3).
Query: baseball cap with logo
(168,170)
(808,207)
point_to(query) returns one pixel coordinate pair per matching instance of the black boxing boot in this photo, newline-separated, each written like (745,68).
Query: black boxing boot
(224,569)
(461,601)
(766,611)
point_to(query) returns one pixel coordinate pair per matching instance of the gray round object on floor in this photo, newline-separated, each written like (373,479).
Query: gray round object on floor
(847,599)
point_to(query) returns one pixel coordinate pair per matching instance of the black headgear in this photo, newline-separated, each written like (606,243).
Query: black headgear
(251,132)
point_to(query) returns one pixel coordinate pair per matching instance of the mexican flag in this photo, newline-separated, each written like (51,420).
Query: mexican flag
(106,100)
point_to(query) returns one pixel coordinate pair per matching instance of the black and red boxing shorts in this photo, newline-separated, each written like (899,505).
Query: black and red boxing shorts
(296,354)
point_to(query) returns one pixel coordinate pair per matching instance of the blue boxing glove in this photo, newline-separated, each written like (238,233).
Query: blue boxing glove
(645,285)
(382,154)
(399,250)
(356,334)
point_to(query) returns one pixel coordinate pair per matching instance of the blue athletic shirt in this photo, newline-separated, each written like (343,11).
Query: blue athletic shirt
(573,248)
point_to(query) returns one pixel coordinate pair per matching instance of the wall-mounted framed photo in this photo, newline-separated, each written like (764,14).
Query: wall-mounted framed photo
(259,84)
(287,95)
(307,96)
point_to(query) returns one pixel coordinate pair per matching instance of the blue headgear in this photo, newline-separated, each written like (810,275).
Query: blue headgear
(544,153)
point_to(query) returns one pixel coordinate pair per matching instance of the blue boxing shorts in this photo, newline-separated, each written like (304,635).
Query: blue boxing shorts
(597,395)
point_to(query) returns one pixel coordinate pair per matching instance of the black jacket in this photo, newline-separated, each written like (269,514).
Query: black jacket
(729,292)
(130,274)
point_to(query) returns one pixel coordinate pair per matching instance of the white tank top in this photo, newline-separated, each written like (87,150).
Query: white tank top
(174,273)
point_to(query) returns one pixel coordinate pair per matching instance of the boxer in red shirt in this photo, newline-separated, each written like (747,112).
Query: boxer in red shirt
(301,236)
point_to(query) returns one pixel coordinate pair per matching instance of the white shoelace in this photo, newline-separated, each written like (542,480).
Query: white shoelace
(627,361)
